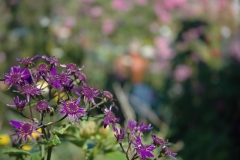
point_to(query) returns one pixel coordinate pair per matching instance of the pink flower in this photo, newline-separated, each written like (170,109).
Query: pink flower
(96,12)
(161,12)
(235,49)
(182,72)
(121,5)
(70,22)
(163,48)
(108,27)
(172,4)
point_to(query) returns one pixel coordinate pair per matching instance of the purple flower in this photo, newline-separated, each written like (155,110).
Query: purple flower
(72,109)
(19,105)
(58,80)
(144,151)
(71,68)
(28,61)
(107,95)
(42,106)
(43,69)
(157,141)
(131,125)
(80,76)
(52,60)
(24,129)
(110,118)
(35,75)
(16,76)
(29,90)
(120,135)
(64,78)
(144,128)
(134,128)
(89,93)
(68,86)
(52,78)
(166,151)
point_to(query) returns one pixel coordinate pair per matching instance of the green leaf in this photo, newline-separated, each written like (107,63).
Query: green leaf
(56,141)
(14,151)
(109,143)
(36,156)
(100,157)
(117,155)
(77,142)
(63,128)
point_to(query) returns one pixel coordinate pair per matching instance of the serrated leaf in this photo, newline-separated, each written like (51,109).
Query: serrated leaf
(62,129)
(56,141)
(15,151)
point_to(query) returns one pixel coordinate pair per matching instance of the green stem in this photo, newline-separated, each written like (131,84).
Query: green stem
(135,156)
(42,152)
(124,151)
(31,113)
(49,124)
(49,153)
(95,106)
(24,115)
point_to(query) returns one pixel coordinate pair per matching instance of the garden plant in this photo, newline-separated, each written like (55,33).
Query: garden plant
(57,105)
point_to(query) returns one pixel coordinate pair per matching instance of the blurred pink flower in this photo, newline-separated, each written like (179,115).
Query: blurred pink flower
(191,34)
(108,27)
(172,4)
(160,66)
(70,22)
(96,12)
(163,48)
(182,72)
(161,12)
(222,4)
(121,5)
(235,49)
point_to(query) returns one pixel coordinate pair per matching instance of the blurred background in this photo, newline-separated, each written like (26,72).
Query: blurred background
(172,63)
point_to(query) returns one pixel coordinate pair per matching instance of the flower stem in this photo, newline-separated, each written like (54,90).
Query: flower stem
(96,105)
(49,153)
(49,124)
(31,113)
(124,151)
(42,152)
(135,156)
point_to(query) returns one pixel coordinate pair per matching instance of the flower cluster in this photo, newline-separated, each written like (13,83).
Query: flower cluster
(134,132)
(48,87)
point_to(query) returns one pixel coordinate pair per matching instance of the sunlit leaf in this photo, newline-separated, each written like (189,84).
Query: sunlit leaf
(63,128)
(56,141)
